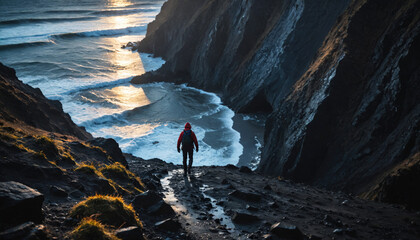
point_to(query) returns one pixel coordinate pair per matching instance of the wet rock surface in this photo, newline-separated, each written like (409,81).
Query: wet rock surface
(26,230)
(19,203)
(130,233)
(286,210)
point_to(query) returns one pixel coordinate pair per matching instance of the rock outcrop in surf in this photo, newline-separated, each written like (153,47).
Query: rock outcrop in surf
(340,78)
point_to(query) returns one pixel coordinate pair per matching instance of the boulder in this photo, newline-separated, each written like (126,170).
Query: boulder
(273,205)
(251,208)
(225,181)
(244,218)
(161,209)
(112,149)
(245,169)
(26,230)
(59,192)
(270,237)
(146,199)
(18,204)
(130,233)
(168,225)
(231,166)
(247,196)
(288,231)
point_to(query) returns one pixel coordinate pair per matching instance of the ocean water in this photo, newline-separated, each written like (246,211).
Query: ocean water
(71,50)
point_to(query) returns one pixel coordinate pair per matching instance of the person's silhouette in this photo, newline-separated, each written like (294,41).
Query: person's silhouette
(188,140)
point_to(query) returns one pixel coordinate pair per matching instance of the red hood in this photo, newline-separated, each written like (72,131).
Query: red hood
(188,126)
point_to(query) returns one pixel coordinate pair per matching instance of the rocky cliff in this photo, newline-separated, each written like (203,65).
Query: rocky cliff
(20,103)
(340,78)
(48,163)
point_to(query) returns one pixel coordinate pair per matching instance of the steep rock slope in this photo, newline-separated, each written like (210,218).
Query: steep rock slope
(341,79)
(355,113)
(250,51)
(20,102)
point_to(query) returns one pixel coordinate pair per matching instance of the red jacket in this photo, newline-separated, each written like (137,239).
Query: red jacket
(194,138)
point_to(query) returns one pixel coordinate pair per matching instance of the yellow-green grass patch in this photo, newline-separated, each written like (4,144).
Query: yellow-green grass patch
(89,229)
(110,210)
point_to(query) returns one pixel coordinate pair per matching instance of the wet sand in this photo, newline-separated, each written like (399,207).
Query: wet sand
(252,137)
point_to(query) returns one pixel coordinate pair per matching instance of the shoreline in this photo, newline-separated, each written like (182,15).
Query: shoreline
(251,131)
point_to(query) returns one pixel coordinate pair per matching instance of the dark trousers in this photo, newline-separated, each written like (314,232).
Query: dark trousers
(190,155)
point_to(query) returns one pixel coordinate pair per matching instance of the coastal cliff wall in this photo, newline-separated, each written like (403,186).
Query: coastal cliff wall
(251,52)
(340,78)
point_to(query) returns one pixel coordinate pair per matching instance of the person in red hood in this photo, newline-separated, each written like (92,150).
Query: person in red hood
(188,140)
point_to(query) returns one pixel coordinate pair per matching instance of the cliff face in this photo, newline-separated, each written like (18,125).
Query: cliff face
(257,47)
(355,113)
(21,103)
(340,79)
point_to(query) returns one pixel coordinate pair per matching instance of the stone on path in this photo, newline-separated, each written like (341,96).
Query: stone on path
(284,230)
(168,225)
(18,204)
(130,233)
(244,218)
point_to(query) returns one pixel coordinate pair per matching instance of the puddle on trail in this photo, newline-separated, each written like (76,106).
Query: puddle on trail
(218,211)
(191,216)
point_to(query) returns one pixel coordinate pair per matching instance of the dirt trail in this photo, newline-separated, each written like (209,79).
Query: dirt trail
(225,203)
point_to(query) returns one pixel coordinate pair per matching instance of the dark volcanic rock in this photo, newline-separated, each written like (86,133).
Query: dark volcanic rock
(400,186)
(112,149)
(130,233)
(287,231)
(59,192)
(19,203)
(20,102)
(146,199)
(168,225)
(244,218)
(245,169)
(26,230)
(161,208)
(247,196)
(355,113)
(231,166)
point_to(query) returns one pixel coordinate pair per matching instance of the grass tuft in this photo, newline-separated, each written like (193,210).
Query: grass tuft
(47,145)
(119,171)
(22,148)
(8,137)
(40,155)
(85,168)
(109,210)
(89,229)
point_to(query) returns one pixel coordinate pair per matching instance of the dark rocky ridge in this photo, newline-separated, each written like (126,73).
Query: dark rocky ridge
(248,45)
(355,113)
(341,78)
(48,163)
(22,103)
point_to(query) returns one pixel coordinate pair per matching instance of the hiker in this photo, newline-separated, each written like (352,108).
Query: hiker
(188,139)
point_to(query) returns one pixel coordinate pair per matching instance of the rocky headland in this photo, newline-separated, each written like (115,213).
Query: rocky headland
(58,182)
(339,80)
